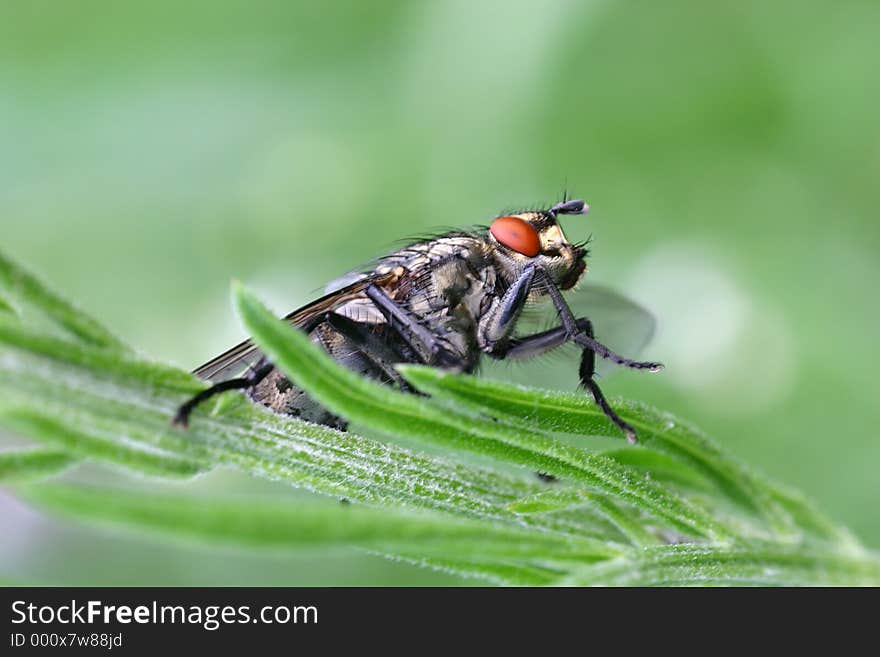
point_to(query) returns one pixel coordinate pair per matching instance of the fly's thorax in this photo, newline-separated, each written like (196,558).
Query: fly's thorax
(446,283)
(442,265)
(454,273)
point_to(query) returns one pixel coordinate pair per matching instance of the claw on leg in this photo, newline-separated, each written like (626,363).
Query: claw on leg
(628,431)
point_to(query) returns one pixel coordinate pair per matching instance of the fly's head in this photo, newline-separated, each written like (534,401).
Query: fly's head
(536,237)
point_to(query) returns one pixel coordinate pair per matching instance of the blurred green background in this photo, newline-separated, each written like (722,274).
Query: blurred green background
(730,151)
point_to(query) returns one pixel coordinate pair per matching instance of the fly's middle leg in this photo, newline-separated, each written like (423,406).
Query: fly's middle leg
(380,353)
(420,339)
(538,344)
(354,344)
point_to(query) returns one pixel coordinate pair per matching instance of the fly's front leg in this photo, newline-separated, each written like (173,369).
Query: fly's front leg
(578,330)
(586,339)
(419,338)
(586,372)
(540,343)
(496,326)
(581,332)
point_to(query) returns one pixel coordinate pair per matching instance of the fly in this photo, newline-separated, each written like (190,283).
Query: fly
(446,301)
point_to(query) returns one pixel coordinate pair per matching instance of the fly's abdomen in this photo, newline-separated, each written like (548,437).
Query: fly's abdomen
(279,394)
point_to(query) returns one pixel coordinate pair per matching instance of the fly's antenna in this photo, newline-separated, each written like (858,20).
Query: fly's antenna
(568,207)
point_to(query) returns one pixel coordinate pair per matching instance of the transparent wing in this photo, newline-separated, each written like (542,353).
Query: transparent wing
(618,322)
(344,281)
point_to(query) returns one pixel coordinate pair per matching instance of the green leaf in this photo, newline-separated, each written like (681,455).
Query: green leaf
(564,498)
(567,413)
(23,465)
(64,436)
(398,414)
(24,296)
(674,510)
(6,307)
(131,402)
(756,565)
(267,524)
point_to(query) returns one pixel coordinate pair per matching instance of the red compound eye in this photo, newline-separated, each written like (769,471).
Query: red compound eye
(517,234)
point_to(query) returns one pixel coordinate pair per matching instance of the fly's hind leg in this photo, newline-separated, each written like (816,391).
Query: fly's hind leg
(380,356)
(252,378)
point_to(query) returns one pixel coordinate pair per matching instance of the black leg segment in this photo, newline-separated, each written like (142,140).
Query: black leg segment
(377,351)
(587,371)
(579,331)
(242,383)
(417,337)
(587,341)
